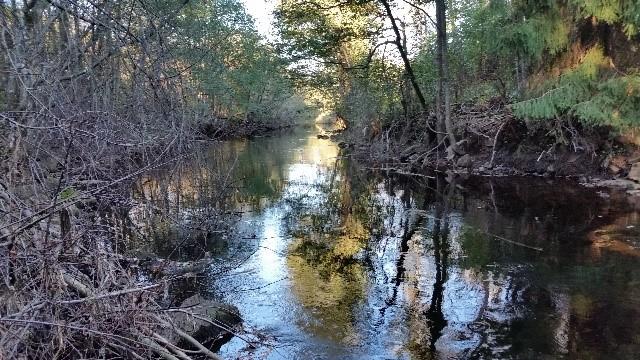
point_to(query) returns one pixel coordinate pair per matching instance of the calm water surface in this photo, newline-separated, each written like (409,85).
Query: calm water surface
(329,260)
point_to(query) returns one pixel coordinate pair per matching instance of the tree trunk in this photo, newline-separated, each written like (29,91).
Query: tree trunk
(444,96)
(521,74)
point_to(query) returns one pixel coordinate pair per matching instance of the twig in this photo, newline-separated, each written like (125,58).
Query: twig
(111,294)
(189,339)
(514,242)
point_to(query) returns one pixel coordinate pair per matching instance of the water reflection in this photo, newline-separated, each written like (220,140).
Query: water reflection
(331,261)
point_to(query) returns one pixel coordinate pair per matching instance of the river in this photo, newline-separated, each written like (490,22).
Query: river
(327,259)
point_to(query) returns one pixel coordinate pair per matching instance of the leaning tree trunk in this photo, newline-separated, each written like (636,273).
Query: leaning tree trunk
(403,55)
(407,64)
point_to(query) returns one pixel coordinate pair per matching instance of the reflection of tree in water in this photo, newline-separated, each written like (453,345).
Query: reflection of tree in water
(373,255)
(427,321)
(327,271)
(436,321)
(435,318)
(510,298)
(182,209)
(409,229)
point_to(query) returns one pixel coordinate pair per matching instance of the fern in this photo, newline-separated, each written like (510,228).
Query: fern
(616,102)
(603,10)
(631,18)
(583,94)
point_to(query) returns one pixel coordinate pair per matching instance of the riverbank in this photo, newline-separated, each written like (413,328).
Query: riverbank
(492,142)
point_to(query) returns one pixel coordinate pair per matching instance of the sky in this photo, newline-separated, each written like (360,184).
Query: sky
(261,11)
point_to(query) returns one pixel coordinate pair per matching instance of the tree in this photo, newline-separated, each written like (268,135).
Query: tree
(443,109)
(403,54)
(332,46)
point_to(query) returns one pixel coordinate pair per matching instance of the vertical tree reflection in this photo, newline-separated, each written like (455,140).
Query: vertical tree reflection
(436,321)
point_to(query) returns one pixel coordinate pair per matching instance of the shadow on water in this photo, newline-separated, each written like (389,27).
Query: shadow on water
(328,260)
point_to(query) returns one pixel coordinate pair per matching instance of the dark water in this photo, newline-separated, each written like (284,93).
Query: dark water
(329,260)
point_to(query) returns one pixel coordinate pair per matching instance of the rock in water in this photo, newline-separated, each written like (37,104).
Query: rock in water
(634,173)
(211,331)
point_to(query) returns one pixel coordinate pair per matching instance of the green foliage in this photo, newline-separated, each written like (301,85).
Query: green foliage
(531,50)
(572,88)
(584,94)
(425,69)
(616,102)
(631,18)
(331,45)
(604,10)
(235,70)
(539,34)
(372,94)
(328,31)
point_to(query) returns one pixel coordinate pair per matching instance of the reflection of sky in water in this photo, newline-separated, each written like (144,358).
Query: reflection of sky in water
(303,180)
(272,307)
(270,263)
